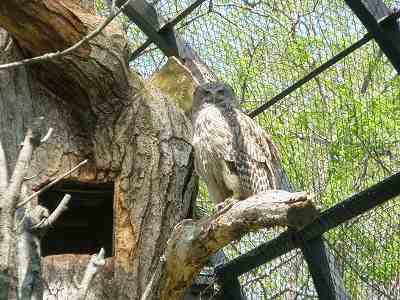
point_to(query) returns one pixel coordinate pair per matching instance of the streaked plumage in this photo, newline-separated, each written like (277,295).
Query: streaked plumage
(233,154)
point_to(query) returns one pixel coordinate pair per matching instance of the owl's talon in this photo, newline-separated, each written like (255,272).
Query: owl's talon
(227,204)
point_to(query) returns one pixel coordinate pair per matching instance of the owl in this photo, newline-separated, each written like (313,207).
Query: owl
(233,154)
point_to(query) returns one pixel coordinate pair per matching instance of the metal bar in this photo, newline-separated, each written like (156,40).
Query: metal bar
(258,256)
(321,264)
(183,51)
(135,54)
(230,289)
(158,33)
(370,13)
(312,75)
(145,17)
(186,12)
(353,206)
(331,218)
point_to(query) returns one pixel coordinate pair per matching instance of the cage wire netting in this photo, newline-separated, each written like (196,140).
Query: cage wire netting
(338,134)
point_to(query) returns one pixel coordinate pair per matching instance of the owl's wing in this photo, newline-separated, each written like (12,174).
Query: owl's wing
(255,156)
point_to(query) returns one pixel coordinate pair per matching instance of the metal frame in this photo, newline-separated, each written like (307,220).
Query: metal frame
(329,219)
(145,17)
(309,237)
(230,289)
(379,20)
(386,34)
(159,31)
(321,264)
(365,39)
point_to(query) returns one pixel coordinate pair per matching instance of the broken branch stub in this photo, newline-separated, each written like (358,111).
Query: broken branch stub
(94,265)
(193,242)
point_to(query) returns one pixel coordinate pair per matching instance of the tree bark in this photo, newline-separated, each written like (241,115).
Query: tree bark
(132,133)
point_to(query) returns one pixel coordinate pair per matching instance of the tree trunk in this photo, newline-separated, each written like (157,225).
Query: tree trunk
(132,133)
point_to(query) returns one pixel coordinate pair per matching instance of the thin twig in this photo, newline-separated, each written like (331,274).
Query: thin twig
(57,54)
(46,187)
(47,136)
(192,20)
(32,177)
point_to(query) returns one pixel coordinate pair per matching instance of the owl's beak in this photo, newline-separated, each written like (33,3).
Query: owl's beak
(217,98)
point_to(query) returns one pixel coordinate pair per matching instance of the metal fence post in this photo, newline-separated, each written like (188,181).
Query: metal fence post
(321,264)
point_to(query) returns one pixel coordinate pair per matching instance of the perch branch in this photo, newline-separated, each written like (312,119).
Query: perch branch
(192,242)
(113,14)
(45,188)
(48,222)
(93,267)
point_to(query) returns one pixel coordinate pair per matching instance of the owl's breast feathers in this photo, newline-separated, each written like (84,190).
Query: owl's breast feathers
(230,135)
(225,134)
(212,137)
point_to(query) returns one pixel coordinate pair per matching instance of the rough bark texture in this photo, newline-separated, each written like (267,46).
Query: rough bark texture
(60,271)
(132,133)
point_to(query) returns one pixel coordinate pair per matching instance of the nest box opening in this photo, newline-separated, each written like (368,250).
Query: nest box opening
(87,225)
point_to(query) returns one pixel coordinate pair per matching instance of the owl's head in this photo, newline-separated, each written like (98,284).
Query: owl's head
(215,93)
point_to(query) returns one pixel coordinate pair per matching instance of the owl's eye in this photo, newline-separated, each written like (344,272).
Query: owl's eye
(207,92)
(221,92)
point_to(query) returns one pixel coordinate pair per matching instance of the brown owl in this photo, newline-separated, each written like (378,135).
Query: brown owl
(233,154)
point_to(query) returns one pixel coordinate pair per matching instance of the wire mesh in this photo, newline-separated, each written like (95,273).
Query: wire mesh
(367,253)
(286,277)
(337,134)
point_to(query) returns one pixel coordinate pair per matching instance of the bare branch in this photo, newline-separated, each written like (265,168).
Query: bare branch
(45,188)
(57,54)
(47,136)
(48,222)
(32,139)
(31,177)
(93,267)
(11,194)
(192,242)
